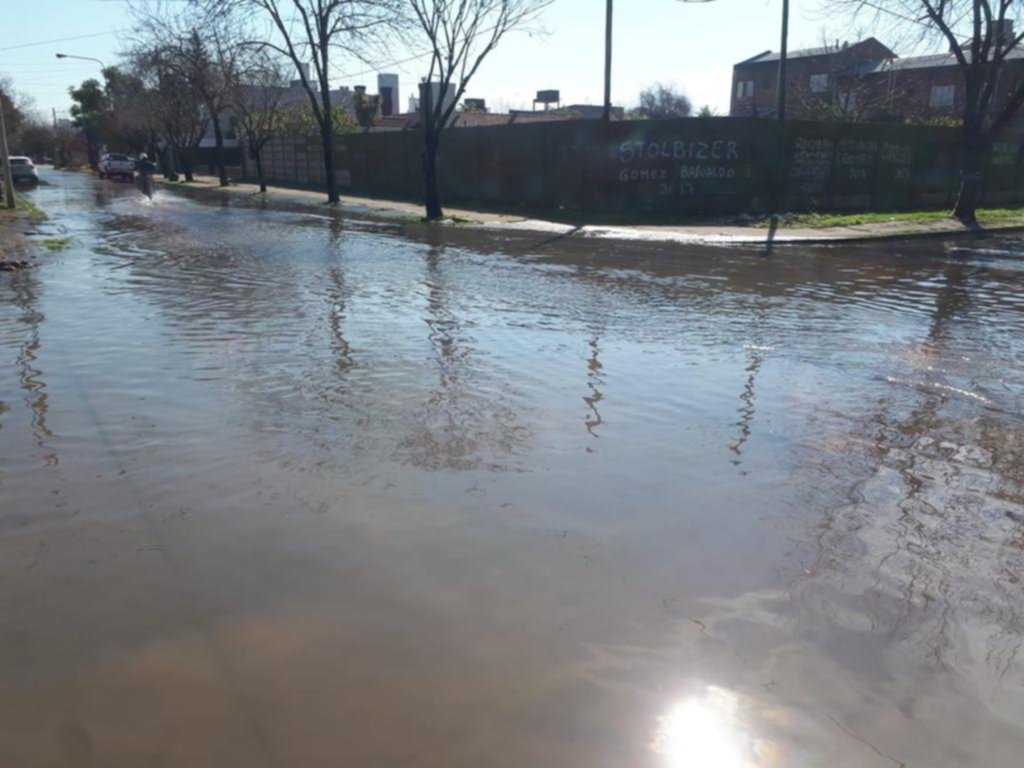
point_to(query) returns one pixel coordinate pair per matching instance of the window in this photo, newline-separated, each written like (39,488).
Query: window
(942,96)
(848,102)
(819,83)
(744,89)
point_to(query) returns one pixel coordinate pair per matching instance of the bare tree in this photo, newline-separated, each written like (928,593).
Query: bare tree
(131,108)
(979,35)
(179,115)
(257,105)
(308,33)
(460,35)
(15,105)
(35,138)
(201,49)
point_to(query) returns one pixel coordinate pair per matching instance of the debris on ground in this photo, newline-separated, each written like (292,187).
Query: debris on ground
(10,265)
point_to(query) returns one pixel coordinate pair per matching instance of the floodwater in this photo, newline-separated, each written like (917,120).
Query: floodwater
(282,489)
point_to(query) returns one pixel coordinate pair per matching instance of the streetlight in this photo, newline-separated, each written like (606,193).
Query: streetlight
(83,58)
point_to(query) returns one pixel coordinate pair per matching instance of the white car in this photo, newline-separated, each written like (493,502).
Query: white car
(23,170)
(113,166)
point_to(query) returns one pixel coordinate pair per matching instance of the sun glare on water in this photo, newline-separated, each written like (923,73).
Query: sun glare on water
(704,731)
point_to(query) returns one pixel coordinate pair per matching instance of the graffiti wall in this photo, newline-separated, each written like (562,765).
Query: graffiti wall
(661,168)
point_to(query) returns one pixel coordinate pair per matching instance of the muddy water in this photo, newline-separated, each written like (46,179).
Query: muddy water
(279,489)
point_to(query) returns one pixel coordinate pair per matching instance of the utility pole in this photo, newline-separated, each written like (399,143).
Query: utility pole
(780,90)
(5,158)
(779,191)
(608,64)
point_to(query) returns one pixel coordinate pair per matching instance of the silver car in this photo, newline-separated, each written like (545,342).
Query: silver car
(23,170)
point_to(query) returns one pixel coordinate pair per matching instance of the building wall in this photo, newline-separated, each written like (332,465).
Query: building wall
(660,167)
(799,70)
(901,94)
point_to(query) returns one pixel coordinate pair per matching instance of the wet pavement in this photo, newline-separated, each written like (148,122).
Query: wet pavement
(282,489)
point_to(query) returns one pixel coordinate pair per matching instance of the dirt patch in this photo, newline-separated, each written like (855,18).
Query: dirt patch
(16,249)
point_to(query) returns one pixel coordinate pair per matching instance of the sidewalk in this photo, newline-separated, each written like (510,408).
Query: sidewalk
(707,232)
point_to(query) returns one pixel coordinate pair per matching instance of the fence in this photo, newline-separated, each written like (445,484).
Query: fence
(658,167)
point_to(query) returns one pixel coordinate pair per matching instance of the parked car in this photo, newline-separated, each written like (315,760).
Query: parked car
(115,166)
(23,170)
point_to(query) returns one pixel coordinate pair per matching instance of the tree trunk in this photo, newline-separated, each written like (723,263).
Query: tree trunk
(92,151)
(971,164)
(219,149)
(170,156)
(186,164)
(259,171)
(330,174)
(432,197)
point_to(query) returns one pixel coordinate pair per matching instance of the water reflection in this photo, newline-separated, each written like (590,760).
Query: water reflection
(442,437)
(747,409)
(923,548)
(30,375)
(595,379)
(756,352)
(337,297)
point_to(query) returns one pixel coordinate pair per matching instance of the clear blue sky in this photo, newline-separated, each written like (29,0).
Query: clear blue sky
(690,45)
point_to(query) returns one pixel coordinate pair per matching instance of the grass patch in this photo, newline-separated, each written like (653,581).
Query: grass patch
(986,217)
(26,205)
(56,243)
(23,208)
(994,216)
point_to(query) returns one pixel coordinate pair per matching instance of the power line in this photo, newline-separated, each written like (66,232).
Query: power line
(52,74)
(40,64)
(58,40)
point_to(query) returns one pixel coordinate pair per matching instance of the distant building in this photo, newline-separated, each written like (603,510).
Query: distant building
(864,80)
(387,87)
(569,112)
(477,119)
(435,92)
(293,96)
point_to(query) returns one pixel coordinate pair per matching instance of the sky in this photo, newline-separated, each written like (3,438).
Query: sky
(690,45)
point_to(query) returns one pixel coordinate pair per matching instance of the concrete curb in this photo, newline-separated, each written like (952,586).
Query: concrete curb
(710,236)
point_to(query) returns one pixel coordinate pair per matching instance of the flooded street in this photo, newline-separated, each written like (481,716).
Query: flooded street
(279,489)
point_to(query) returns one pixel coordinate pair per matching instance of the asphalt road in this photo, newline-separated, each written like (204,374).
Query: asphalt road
(281,488)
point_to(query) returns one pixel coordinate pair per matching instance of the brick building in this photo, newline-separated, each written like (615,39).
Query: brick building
(861,81)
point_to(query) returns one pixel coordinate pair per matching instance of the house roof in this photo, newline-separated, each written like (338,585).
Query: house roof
(476,119)
(807,53)
(396,122)
(930,61)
